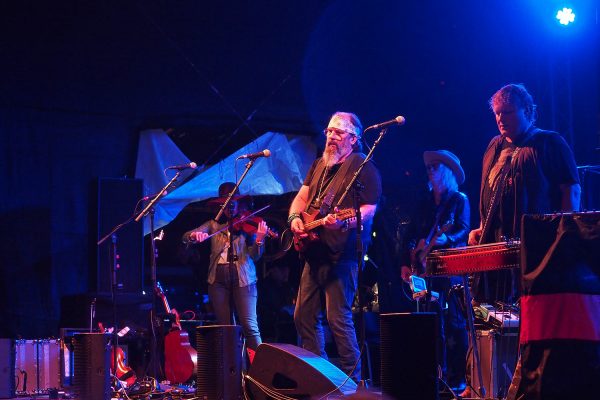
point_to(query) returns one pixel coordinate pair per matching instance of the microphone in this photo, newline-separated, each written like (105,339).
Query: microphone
(191,165)
(399,120)
(253,156)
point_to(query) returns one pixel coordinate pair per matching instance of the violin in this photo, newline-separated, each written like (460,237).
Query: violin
(249,224)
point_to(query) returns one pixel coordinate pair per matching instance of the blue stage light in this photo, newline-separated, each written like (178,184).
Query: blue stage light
(565,16)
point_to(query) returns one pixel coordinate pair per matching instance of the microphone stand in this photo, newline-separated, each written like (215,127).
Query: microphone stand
(237,185)
(230,254)
(359,245)
(149,210)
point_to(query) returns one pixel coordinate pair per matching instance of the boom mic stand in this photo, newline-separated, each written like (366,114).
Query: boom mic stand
(149,210)
(359,244)
(230,254)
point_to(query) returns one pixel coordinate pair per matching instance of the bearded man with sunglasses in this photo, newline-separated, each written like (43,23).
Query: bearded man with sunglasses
(329,278)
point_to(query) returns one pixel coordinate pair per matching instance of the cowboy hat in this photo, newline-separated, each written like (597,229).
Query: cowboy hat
(447,158)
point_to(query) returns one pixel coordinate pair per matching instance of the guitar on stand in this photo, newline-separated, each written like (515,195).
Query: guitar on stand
(180,356)
(311,222)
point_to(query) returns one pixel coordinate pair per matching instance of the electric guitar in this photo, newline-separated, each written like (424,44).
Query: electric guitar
(180,356)
(418,254)
(311,222)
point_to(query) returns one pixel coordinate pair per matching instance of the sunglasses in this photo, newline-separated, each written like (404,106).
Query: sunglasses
(432,166)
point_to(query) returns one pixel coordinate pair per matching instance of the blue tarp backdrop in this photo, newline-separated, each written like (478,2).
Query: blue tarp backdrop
(282,172)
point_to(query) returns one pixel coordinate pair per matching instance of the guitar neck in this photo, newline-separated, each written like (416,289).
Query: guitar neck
(314,224)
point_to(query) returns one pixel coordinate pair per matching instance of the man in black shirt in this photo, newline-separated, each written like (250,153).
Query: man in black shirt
(526,170)
(329,277)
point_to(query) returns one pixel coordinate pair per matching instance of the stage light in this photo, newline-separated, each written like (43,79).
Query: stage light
(565,16)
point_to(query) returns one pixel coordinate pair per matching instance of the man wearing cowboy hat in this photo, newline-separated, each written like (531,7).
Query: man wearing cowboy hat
(441,221)
(232,273)
(329,277)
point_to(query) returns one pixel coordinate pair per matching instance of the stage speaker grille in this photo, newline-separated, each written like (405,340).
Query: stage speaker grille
(219,374)
(91,371)
(294,372)
(408,355)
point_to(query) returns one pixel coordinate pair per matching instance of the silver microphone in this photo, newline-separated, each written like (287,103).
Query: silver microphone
(253,156)
(399,120)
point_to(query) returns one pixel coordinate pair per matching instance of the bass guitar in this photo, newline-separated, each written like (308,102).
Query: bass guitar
(311,222)
(180,356)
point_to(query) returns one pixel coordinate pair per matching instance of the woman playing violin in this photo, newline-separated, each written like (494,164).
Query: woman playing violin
(231,272)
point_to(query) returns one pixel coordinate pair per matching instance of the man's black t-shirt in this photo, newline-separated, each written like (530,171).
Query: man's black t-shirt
(335,245)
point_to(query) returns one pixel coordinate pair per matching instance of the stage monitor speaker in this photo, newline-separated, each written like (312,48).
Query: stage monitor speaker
(408,355)
(219,371)
(294,372)
(91,372)
(7,369)
(116,202)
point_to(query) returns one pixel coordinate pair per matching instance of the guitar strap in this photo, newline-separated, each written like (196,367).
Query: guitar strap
(350,164)
(441,210)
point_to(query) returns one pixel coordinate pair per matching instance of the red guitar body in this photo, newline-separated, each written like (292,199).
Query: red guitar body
(311,222)
(179,356)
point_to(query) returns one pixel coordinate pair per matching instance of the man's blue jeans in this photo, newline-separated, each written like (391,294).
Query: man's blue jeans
(330,288)
(226,290)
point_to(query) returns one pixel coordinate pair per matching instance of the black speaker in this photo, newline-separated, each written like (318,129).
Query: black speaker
(7,369)
(115,204)
(408,355)
(219,372)
(91,371)
(294,372)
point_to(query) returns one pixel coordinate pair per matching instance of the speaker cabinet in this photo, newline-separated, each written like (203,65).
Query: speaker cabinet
(115,203)
(408,355)
(91,378)
(219,373)
(294,372)
(7,369)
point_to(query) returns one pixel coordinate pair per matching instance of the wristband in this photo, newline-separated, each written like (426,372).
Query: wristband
(292,217)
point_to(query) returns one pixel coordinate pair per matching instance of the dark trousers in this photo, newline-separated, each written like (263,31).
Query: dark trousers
(329,287)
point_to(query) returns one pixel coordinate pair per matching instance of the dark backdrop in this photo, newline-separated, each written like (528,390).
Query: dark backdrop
(79,80)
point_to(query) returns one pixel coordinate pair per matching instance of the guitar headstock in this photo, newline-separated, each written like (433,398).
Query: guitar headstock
(159,290)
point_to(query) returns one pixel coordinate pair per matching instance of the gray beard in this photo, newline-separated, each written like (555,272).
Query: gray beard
(333,155)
